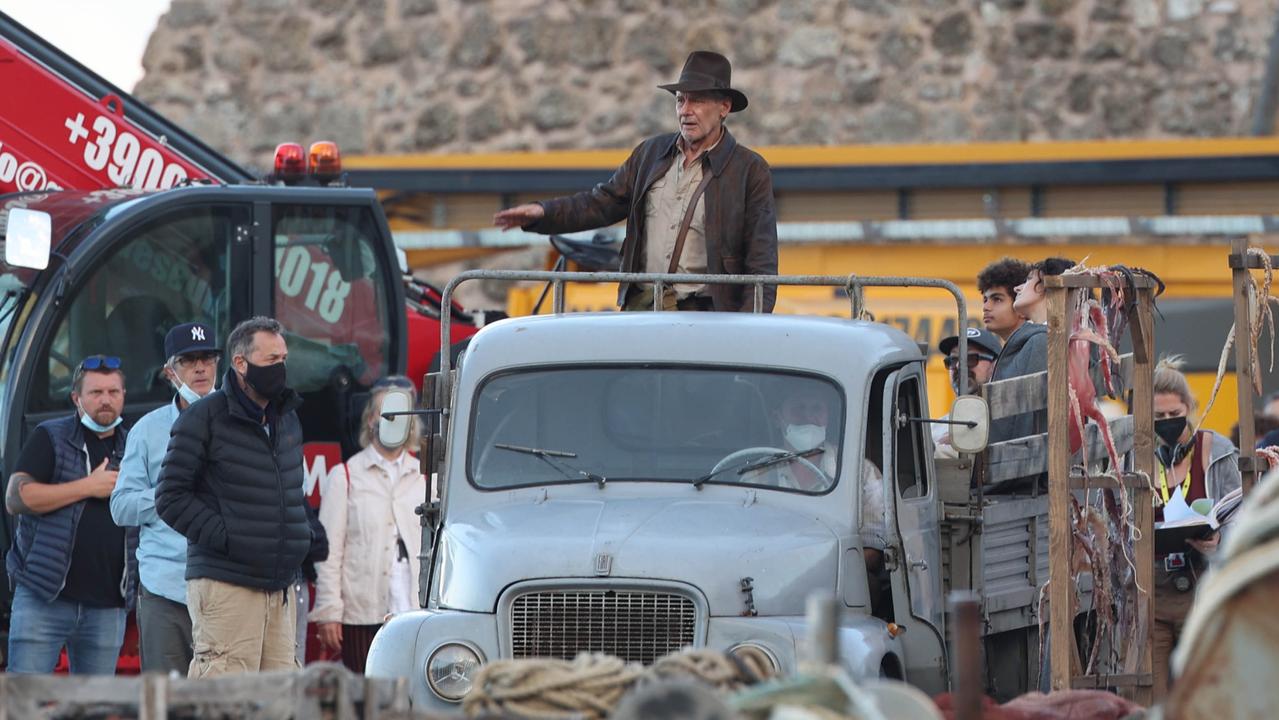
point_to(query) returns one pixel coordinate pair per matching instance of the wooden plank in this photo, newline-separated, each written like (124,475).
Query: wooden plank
(1015,396)
(1060,590)
(259,695)
(1238,259)
(1140,328)
(1143,405)
(1100,682)
(1012,510)
(1027,457)
(154,701)
(1029,393)
(1011,599)
(1128,481)
(1141,282)
(1244,296)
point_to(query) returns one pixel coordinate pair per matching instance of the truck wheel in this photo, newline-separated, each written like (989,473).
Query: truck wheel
(890,668)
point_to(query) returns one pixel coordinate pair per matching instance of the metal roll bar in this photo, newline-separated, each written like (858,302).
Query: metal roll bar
(854,284)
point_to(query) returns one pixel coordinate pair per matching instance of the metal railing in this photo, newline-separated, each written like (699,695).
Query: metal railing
(853,284)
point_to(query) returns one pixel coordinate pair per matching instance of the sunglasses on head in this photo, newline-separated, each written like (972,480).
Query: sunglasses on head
(951,362)
(101,362)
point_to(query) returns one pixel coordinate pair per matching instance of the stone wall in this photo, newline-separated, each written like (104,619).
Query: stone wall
(400,76)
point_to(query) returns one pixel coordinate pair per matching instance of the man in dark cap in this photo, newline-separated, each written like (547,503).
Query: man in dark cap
(694,201)
(164,624)
(983,348)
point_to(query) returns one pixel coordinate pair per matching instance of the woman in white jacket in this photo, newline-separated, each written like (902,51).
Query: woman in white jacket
(366,508)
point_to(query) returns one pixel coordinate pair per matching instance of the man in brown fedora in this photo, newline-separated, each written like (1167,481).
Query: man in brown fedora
(694,201)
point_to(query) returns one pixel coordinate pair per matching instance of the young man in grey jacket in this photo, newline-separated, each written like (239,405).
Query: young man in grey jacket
(1025,348)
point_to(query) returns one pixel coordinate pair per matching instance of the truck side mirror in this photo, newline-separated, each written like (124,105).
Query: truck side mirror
(970,424)
(27,238)
(433,445)
(393,431)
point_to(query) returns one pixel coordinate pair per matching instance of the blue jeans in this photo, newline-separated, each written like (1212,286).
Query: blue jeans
(39,630)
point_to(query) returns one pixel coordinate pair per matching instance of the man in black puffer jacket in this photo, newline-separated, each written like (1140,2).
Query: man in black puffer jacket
(231,482)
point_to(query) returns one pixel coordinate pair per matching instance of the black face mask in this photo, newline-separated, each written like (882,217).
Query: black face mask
(1169,430)
(267,380)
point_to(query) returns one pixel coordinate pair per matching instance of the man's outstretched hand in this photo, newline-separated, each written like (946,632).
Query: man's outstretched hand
(519,216)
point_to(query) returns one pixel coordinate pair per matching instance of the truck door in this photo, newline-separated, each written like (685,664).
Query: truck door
(912,502)
(145,277)
(334,293)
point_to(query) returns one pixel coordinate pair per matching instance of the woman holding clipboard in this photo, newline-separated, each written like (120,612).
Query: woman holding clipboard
(1191,465)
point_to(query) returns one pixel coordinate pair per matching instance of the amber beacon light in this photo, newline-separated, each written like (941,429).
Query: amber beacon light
(325,160)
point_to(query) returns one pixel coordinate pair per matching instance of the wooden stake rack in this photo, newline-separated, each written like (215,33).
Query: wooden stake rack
(1241,265)
(1067,667)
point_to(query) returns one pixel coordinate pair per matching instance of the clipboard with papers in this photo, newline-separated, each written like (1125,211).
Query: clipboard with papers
(1182,522)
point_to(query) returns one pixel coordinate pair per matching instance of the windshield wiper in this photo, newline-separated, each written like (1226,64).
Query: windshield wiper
(743,468)
(547,456)
(540,452)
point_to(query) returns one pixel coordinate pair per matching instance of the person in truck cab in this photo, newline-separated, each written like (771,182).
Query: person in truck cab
(231,483)
(164,624)
(694,201)
(68,563)
(803,418)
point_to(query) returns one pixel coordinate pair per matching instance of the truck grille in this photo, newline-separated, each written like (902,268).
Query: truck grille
(635,625)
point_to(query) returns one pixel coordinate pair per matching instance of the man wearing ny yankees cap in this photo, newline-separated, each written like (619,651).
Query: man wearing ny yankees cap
(164,625)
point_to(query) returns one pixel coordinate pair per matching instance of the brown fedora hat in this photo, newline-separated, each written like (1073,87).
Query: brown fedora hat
(705,70)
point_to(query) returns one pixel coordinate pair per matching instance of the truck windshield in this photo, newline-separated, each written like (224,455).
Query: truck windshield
(677,424)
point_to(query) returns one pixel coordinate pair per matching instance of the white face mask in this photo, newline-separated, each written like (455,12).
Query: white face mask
(187,393)
(89,422)
(805,437)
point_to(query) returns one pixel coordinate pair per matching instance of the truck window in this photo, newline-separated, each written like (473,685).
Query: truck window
(9,309)
(330,294)
(656,423)
(174,269)
(910,460)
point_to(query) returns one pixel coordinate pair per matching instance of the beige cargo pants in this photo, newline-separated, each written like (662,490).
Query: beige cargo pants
(236,629)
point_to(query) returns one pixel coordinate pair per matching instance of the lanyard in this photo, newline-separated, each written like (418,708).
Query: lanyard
(1185,486)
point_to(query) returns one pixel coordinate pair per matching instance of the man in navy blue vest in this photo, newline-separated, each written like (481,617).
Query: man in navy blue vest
(68,562)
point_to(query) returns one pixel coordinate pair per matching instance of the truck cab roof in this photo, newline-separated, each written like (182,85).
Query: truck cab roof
(73,213)
(832,346)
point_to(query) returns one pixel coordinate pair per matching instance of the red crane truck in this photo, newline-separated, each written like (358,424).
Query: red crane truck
(149,227)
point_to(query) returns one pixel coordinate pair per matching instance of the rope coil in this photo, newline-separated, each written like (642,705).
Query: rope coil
(590,686)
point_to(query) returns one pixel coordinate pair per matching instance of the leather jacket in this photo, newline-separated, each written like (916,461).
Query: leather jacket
(741,217)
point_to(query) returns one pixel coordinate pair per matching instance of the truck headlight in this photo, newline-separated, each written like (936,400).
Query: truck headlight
(450,670)
(758,658)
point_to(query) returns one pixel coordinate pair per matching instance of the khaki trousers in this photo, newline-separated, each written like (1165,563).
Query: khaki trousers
(640,298)
(239,630)
(1171,609)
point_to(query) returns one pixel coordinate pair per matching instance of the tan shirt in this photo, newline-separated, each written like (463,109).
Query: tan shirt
(665,205)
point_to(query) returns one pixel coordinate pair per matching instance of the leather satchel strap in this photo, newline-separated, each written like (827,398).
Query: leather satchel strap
(688,217)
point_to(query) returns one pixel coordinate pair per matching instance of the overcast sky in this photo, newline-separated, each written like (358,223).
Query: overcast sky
(107,36)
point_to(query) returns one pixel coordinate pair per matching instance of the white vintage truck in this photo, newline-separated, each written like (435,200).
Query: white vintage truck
(628,483)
